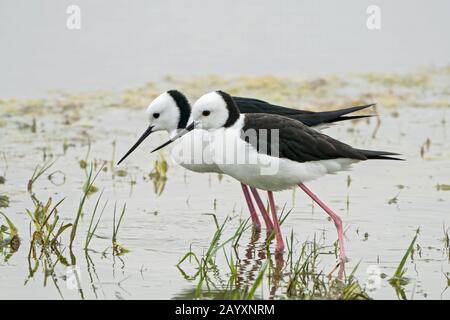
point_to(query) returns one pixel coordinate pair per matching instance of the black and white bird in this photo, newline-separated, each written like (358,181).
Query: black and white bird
(291,155)
(171,112)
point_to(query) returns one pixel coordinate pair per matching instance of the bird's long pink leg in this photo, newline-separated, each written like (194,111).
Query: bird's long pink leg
(280,242)
(262,209)
(337,220)
(251,207)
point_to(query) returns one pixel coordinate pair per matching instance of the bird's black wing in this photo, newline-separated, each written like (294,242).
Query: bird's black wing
(297,141)
(310,118)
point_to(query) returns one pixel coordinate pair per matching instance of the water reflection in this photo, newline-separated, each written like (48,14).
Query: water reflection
(299,277)
(159,174)
(255,254)
(244,277)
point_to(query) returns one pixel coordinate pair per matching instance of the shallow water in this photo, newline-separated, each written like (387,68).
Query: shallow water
(380,217)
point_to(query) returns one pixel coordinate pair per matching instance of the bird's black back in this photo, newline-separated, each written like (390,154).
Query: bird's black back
(298,142)
(309,118)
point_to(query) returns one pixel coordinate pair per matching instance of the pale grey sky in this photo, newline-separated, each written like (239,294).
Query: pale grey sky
(124,43)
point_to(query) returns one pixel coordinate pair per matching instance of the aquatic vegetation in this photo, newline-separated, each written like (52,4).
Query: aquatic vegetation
(121,173)
(206,266)
(306,281)
(298,278)
(118,249)
(425,147)
(46,249)
(33,126)
(87,189)
(398,280)
(446,241)
(443,187)
(394,200)
(11,229)
(9,237)
(45,220)
(3,177)
(45,240)
(349,181)
(38,171)
(447,281)
(47,260)
(159,174)
(259,278)
(416,80)
(93,227)
(4,201)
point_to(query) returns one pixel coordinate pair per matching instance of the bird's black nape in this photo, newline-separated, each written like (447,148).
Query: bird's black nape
(184,106)
(233,111)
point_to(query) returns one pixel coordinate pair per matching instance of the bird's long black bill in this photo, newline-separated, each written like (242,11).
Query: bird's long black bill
(178,136)
(142,138)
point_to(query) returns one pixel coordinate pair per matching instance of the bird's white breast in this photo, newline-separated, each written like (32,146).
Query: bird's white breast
(192,151)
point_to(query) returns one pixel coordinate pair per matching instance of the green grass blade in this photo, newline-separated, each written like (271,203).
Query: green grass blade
(12,228)
(257,283)
(400,269)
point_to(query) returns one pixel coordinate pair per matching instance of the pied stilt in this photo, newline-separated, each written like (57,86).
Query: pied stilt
(272,152)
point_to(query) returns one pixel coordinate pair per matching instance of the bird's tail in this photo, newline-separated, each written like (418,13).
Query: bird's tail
(380,155)
(317,118)
(339,115)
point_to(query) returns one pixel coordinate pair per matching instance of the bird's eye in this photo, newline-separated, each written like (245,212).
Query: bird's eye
(156,115)
(206,113)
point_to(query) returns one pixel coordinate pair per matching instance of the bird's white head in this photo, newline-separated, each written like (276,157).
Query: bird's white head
(211,111)
(215,110)
(169,111)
